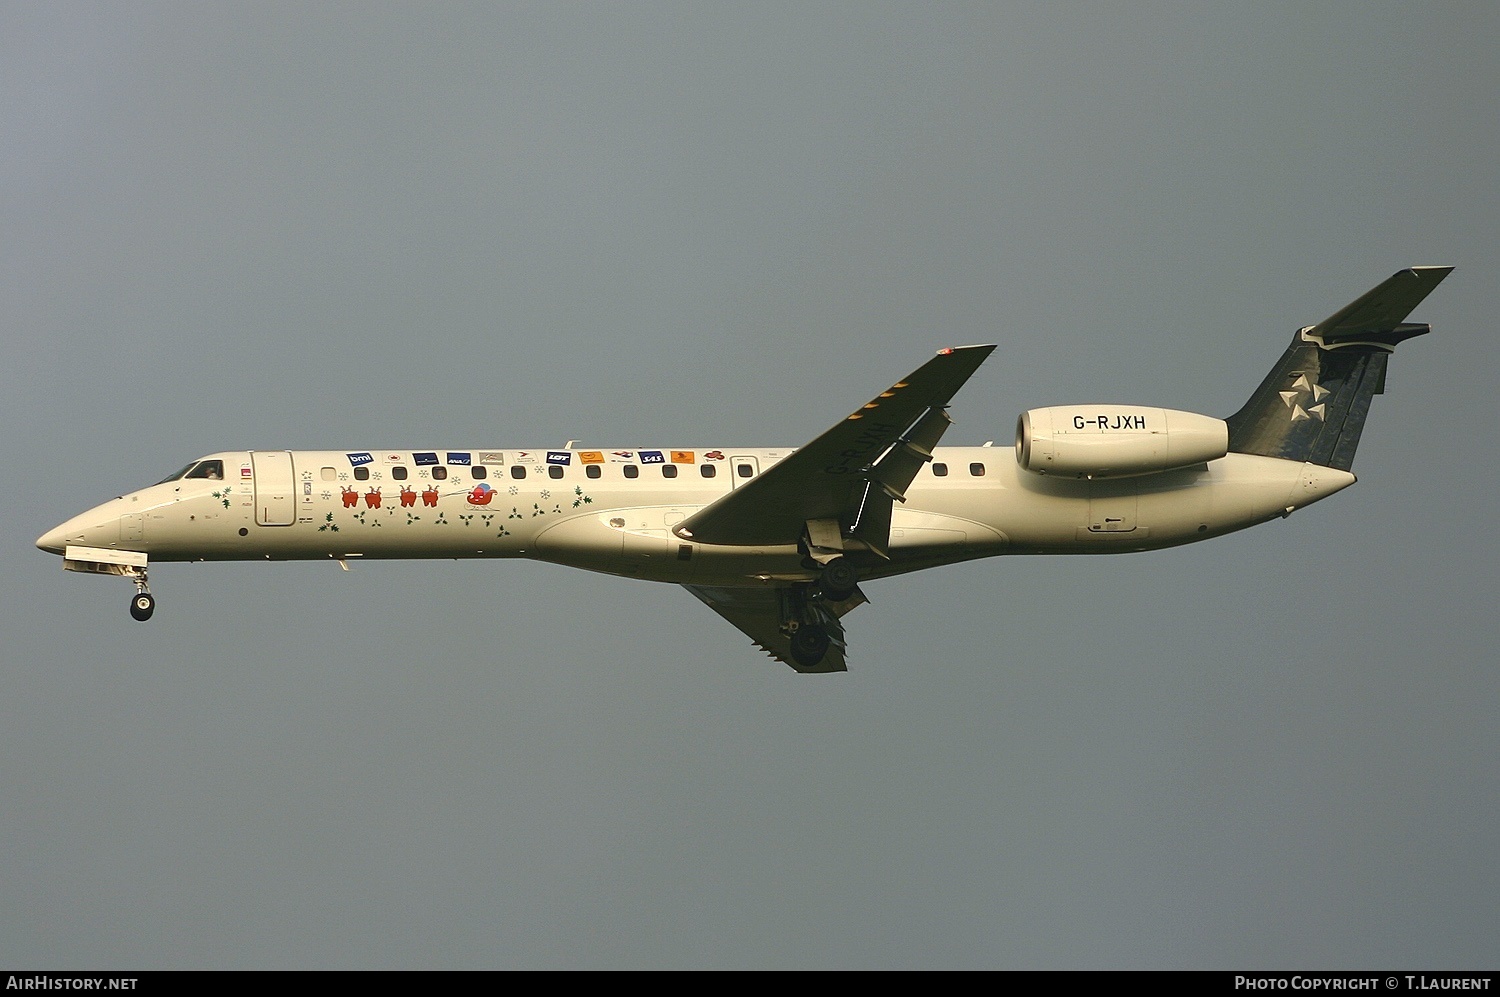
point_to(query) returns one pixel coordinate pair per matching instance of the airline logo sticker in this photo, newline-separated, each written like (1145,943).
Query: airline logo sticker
(714,455)
(360,458)
(559,457)
(591,457)
(652,457)
(461,459)
(622,455)
(245,471)
(1294,399)
(682,456)
(491,457)
(424,459)
(525,457)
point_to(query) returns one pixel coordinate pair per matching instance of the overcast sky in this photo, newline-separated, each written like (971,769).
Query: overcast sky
(481,225)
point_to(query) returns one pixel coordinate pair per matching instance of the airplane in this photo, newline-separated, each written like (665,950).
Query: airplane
(778,541)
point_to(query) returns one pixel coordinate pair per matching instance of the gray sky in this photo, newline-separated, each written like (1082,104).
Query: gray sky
(369,226)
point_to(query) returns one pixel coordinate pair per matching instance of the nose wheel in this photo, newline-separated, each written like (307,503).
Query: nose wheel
(144,604)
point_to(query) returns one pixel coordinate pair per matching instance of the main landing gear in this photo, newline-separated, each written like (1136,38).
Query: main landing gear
(808,622)
(838,579)
(143,605)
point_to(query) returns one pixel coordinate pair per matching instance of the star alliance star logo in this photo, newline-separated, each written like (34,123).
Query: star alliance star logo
(1302,388)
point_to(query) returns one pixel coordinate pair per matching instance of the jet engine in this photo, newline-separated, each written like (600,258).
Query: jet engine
(1116,441)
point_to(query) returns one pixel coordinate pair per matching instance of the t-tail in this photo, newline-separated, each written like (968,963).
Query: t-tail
(1313,404)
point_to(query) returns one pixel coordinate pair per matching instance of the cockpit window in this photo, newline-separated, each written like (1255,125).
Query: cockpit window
(211,469)
(179,475)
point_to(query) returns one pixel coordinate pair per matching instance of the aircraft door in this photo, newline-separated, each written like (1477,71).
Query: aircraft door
(742,469)
(275,490)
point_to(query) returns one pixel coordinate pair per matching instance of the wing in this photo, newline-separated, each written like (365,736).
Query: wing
(757,612)
(868,458)
(1377,314)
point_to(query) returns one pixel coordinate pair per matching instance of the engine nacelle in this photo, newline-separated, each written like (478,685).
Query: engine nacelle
(1116,441)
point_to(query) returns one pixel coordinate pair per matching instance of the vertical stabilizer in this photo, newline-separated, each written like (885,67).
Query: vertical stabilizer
(1313,404)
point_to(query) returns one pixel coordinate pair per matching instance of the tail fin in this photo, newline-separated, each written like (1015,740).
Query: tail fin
(1312,406)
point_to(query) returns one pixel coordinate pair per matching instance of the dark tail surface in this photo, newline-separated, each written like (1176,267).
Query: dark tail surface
(1313,404)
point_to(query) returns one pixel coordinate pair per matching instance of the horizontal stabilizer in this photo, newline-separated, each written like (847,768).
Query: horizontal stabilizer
(1378,316)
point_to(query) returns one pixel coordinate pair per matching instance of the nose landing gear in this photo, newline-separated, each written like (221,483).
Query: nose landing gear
(143,605)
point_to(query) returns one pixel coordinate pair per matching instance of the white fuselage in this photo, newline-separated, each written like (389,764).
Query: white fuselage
(611,511)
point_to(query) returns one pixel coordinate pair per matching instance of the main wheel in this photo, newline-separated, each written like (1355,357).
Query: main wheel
(142,606)
(809,644)
(838,580)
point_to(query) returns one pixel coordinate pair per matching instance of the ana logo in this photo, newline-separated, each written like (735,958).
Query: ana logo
(360,458)
(459,458)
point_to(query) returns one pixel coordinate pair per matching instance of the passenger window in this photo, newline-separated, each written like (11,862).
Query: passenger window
(708,470)
(593,471)
(554,471)
(669,470)
(439,473)
(329,474)
(977,470)
(398,473)
(479,473)
(517,471)
(744,470)
(940,470)
(361,474)
(631,471)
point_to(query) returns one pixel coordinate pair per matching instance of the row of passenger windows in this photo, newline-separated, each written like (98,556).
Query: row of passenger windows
(479,473)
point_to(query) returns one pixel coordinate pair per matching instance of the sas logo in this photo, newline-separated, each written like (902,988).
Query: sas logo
(360,458)
(559,457)
(652,457)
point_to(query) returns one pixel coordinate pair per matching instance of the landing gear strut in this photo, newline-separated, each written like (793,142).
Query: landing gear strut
(143,605)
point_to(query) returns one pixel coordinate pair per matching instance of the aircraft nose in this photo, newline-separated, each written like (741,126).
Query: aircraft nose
(90,528)
(54,541)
